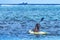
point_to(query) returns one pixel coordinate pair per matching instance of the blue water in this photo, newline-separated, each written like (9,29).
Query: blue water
(17,20)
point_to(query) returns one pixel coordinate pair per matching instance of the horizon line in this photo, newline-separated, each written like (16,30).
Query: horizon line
(29,4)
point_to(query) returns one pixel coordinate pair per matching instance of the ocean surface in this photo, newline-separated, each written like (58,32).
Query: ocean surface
(17,20)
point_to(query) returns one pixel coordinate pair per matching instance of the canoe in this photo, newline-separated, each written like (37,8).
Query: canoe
(41,33)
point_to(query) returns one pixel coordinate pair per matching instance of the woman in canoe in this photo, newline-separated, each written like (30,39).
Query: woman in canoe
(37,27)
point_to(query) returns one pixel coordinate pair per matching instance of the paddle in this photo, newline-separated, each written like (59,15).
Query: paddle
(41,19)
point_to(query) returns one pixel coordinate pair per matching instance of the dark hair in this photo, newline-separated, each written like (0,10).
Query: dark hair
(37,26)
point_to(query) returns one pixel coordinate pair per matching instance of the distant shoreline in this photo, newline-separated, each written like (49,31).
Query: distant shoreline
(29,4)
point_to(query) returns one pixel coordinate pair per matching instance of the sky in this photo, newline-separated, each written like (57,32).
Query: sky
(30,1)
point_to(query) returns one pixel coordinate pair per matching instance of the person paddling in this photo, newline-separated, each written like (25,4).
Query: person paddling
(36,31)
(37,26)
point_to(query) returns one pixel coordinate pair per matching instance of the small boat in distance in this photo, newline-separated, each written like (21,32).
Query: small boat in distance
(23,3)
